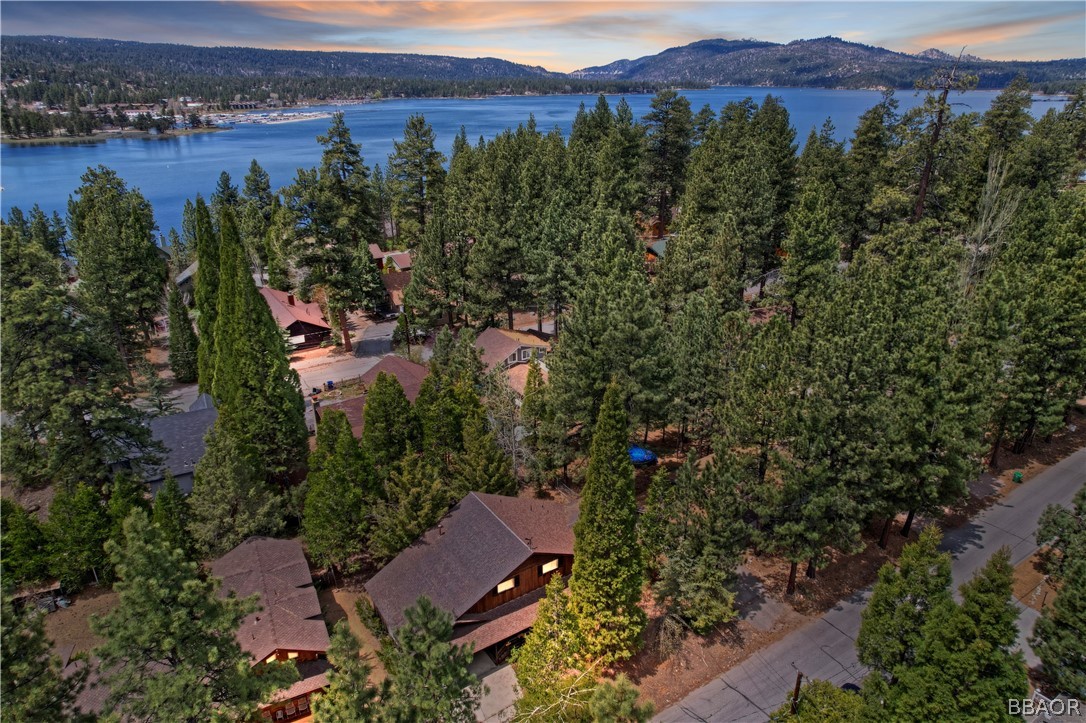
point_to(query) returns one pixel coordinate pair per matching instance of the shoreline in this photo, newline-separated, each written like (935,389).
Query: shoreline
(105,135)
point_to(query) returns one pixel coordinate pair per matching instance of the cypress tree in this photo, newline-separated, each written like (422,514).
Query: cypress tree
(256,392)
(605,588)
(230,500)
(340,487)
(183,340)
(171,650)
(389,426)
(206,292)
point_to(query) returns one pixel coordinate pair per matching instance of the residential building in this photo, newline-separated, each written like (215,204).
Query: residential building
(303,322)
(409,374)
(486,563)
(182,436)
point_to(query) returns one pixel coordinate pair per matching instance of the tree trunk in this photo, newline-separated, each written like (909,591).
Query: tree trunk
(811,571)
(539,318)
(792,579)
(510,310)
(908,523)
(345,331)
(993,458)
(885,537)
(929,159)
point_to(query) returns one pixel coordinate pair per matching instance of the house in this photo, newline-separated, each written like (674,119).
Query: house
(289,626)
(654,252)
(486,563)
(409,374)
(395,284)
(186,281)
(182,435)
(504,347)
(304,323)
(390,261)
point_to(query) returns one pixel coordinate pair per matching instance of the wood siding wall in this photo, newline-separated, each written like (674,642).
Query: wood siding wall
(530,580)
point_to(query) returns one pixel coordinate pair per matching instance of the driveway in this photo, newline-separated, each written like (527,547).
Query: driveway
(826,648)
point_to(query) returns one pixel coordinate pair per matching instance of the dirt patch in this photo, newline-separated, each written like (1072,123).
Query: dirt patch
(71,625)
(1043,453)
(339,603)
(1032,587)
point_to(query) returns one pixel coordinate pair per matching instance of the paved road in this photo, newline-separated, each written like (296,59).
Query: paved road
(825,648)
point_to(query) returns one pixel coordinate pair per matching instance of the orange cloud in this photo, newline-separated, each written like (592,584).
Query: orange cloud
(989,34)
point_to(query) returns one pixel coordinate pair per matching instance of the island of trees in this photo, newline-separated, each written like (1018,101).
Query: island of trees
(834,338)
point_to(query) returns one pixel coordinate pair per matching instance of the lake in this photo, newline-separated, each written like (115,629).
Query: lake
(170,170)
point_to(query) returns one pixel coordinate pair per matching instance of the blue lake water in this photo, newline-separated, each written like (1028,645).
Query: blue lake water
(168,171)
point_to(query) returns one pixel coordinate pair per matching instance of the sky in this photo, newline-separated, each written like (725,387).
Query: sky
(564,36)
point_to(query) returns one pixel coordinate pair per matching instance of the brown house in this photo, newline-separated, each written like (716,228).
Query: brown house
(409,374)
(304,323)
(486,563)
(507,348)
(290,625)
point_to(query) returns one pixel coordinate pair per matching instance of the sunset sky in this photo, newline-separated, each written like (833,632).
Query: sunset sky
(565,35)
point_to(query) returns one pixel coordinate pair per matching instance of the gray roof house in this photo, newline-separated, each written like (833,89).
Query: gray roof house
(182,435)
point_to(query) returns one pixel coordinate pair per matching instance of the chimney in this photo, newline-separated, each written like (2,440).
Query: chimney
(290,299)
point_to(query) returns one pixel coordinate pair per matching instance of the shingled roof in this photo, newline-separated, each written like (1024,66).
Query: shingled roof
(288,310)
(183,437)
(277,571)
(497,344)
(474,547)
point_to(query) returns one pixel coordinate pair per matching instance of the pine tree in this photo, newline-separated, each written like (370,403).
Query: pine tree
(65,388)
(256,392)
(618,701)
(340,487)
(224,196)
(430,676)
(350,697)
(1063,531)
(125,493)
(389,426)
(206,292)
(230,500)
(607,576)
(415,177)
(670,131)
(183,340)
(416,498)
(696,338)
(333,206)
(482,466)
(812,250)
(32,687)
(820,701)
(121,274)
(170,513)
(23,557)
(255,211)
(619,183)
(171,651)
(76,531)
(1057,634)
(437,286)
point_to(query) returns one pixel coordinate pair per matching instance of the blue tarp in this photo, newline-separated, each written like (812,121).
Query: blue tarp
(640,456)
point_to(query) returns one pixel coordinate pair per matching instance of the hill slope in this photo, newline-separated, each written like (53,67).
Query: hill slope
(822,63)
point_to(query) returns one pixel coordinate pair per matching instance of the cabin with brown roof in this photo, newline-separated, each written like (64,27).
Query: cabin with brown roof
(486,563)
(395,283)
(506,348)
(304,323)
(290,625)
(409,374)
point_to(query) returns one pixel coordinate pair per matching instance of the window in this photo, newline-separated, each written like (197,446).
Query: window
(291,656)
(549,566)
(271,658)
(507,585)
(525,354)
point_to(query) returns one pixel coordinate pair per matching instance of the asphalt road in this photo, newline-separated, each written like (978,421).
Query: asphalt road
(825,648)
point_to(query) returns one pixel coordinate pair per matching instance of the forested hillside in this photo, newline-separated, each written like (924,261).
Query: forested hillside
(57,70)
(836,340)
(824,63)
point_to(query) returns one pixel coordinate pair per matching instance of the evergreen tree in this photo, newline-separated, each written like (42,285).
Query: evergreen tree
(206,292)
(32,687)
(670,131)
(183,340)
(1057,634)
(619,182)
(820,701)
(1063,531)
(339,488)
(618,702)
(812,250)
(170,514)
(350,696)
(230,500)
(389,426)
(416,498)
(440,410)
(125,493)
(76,531)
(415,178)
(439,263)
(225,196)
(64,386)
(607,576)
(891,631)
(333,206)
(696,339)
(121,274)
(482,466)
(256,392)
(430,676)
(255,211)
(171,651)
(23,557)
